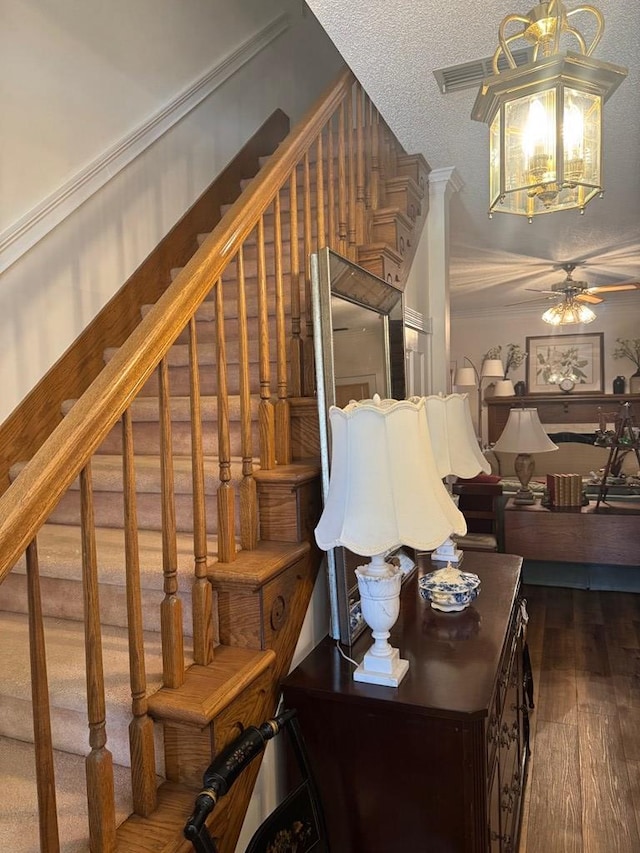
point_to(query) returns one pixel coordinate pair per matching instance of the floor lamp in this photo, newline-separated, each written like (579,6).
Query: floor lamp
(469,377)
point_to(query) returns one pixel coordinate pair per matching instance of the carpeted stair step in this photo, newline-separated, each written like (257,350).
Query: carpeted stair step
(179,371)
(146,426)
(206,326)
(108,499)
(18,812)
(67,684)
(60,564)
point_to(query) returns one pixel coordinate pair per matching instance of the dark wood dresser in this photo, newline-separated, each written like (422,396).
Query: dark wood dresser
(437,765)
(562,411)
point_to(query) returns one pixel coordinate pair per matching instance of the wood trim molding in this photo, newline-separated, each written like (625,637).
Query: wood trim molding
(23,234)
(35,418)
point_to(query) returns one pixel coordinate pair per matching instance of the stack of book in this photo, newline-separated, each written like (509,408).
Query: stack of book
(564,490)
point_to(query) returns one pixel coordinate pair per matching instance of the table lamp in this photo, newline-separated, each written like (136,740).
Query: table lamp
(456,451)
(523,434)
(384,491)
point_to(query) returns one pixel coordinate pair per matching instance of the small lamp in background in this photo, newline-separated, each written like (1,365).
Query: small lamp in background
(504,388)
(469,377)
(523,434)
(456,451)
(384,491)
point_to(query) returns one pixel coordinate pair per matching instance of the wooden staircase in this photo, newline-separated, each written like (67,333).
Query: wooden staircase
(157,546)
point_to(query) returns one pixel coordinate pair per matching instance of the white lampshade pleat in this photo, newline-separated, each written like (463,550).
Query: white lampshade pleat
(453,437)
(385,489)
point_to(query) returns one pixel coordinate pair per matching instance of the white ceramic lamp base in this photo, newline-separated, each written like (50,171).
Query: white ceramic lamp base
(379,584)
(447,552)
(388,671)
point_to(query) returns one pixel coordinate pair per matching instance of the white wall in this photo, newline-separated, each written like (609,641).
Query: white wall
(616,317)
(102,71)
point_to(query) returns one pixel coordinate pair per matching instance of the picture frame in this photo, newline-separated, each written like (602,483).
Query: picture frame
(579,357)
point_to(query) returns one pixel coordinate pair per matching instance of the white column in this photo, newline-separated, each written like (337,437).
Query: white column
(442,185)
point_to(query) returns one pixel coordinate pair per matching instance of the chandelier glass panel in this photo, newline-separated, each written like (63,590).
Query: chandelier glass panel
(545,118)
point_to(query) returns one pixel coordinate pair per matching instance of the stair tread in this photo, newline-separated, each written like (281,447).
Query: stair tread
(207,690)
(18,811)
(60,555)
(66,662)
(147,409)
(106,470)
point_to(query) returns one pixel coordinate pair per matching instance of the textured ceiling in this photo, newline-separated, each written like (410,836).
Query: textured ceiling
(393,46)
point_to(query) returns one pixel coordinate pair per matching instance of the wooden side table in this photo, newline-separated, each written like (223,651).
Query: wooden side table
(610,536)
(438,763)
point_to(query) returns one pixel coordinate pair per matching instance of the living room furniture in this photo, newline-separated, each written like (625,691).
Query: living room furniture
(449,744)
(610,535)
(554,409)
(478,502)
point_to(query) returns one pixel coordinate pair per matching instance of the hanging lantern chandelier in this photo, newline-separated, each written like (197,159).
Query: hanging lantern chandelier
(545,118)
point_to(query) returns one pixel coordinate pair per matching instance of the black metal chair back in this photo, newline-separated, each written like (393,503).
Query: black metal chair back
(296,826)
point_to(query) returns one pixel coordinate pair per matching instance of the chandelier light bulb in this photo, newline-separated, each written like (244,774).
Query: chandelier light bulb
(573,130)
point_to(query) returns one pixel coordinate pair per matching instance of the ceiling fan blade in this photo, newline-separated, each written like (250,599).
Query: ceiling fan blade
(586,296)
(529,301)
(537,290)
(610,288)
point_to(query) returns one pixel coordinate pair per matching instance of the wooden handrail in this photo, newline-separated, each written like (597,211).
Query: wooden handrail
(28,502)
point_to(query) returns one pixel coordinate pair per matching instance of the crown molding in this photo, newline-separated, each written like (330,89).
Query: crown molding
(23,234)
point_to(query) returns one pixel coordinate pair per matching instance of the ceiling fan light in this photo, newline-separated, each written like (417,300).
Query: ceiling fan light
(545,118)
(567,312)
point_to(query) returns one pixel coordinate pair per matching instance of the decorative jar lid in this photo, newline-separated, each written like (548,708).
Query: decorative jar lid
(449,589)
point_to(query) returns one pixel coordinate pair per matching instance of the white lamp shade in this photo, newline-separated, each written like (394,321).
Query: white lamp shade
(523,433)
(384,488)
(504,388)
(453,437)
(492,368)
(465,377)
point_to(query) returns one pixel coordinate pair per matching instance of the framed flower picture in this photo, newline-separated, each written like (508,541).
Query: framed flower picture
(552,358)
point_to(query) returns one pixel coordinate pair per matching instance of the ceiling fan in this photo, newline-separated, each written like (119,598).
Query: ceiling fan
(571,290)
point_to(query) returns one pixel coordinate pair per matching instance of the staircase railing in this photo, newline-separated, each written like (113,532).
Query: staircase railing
(328,174)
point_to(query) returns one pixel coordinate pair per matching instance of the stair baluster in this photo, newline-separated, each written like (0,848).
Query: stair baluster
(296,346)
(266,412)
(352,251)
(282,413)
(171,607)
(360,181)
(331,194)
(99,762)
(201,594)
(143,760)
(343,231)
(45,771)
(309,368)
(248,490)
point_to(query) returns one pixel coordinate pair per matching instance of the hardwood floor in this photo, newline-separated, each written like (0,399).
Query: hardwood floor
(583,794)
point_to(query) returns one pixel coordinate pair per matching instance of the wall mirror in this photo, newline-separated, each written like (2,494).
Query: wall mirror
(359,352)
